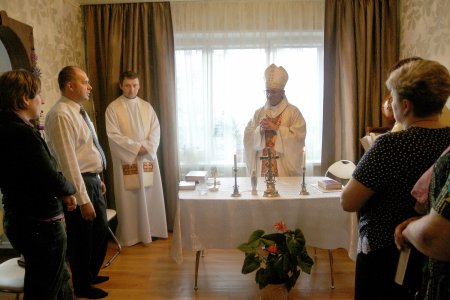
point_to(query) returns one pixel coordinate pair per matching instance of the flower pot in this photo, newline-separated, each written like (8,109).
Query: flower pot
(274,292)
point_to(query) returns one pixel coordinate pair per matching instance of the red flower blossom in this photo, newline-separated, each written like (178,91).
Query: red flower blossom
(272,249)
(280,226)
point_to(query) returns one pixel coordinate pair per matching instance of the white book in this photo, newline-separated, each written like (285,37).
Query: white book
(402,265)
(186,185)
(196,176)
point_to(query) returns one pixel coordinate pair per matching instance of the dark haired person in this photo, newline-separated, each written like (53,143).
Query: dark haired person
(73,141)
(380,187)
(34,192)
(133,134)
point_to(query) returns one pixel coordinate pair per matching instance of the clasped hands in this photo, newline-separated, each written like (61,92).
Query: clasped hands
(266,124)
(400,241)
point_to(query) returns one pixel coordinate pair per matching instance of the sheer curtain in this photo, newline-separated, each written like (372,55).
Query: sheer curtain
(221,50)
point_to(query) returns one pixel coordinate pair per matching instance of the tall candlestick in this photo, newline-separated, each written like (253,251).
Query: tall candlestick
(235,162)
(304,157)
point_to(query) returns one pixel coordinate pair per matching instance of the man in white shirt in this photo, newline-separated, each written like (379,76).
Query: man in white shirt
(277,125)
(133,134)
(74,143)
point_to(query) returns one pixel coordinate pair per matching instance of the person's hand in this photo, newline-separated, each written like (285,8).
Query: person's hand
(87,211)
(267,124)
(400,241)
(142,151)
(71,202)
(103,188)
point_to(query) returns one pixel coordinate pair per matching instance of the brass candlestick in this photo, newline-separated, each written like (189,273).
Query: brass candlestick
(304,191)
(214,174)
(235,187)
(254,182)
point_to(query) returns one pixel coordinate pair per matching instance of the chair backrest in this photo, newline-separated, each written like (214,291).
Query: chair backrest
(341,169)
(110,213)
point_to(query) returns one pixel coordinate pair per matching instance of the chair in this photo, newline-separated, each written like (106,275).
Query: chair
(12,277)
(110,214)
(342,171)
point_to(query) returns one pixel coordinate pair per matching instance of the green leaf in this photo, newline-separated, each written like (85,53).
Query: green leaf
(256,235)
(305,262)
(251,263)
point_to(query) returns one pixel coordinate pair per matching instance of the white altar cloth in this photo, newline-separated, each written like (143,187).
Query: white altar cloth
(219,221)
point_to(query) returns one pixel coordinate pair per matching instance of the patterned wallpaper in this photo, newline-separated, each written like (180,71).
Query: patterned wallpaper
(425,29)
(58,37)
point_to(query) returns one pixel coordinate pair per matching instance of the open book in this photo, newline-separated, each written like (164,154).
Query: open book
(368,140)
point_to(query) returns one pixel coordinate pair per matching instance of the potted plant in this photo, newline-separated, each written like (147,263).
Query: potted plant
(278,258)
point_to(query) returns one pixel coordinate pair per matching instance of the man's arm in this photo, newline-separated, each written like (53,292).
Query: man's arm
(152,140)
(121,145)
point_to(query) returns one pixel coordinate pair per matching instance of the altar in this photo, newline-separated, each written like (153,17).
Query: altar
(216,220)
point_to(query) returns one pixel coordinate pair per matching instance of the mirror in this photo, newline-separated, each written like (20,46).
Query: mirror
(5,63)
(17,40)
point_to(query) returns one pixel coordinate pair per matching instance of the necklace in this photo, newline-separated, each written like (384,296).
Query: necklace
(426,123)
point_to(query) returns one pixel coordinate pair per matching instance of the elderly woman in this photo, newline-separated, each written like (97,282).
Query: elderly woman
(33,191)
(380,187)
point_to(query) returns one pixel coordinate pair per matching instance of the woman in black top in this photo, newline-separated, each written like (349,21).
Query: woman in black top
(382,181)
(34,192)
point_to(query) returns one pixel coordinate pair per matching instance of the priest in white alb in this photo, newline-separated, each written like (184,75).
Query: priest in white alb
(277,125)
(133,134)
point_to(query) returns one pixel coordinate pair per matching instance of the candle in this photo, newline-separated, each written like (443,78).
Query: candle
(235,162)
(304,157)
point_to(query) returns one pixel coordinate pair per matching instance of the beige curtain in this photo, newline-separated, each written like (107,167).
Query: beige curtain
(361,43)
(135,37)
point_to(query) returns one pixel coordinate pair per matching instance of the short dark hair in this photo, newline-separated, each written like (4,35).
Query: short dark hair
(16,84)
(127,74)
(65,75)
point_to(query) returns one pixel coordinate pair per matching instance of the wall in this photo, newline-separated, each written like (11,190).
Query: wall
(425,29)
(58,37)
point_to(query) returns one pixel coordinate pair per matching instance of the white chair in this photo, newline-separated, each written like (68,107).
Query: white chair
(12,277)
(342,171)
(110,214)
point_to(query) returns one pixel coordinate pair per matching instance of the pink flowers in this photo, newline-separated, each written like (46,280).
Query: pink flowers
(281,226)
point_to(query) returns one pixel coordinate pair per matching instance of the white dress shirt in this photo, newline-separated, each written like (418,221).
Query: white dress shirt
(71,142)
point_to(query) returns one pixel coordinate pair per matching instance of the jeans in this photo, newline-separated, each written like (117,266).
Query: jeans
(43,244)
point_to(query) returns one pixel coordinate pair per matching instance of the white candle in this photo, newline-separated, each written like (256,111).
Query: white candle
(235,162)
(304,157)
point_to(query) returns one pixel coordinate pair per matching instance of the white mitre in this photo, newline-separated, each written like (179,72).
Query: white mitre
(276,77)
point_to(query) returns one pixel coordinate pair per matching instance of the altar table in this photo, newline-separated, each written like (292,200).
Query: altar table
(217,220)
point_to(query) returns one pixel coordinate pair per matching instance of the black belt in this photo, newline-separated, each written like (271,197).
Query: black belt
(89,174)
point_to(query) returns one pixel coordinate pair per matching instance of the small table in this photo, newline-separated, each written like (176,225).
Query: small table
(219,221)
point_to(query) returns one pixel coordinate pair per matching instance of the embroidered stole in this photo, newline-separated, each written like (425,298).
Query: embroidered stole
(270,137)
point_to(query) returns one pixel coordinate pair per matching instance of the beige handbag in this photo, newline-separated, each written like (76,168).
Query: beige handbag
(131,175)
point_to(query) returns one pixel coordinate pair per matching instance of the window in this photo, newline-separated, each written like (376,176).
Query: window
(220,84)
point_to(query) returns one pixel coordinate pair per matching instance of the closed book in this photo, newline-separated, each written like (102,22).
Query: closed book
(186,185)
(196,176)
(329,184)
